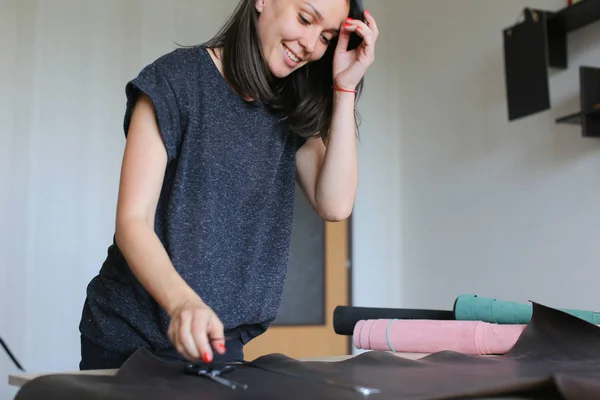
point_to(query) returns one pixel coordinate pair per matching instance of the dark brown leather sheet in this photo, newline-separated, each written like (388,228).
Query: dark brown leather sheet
(556,357)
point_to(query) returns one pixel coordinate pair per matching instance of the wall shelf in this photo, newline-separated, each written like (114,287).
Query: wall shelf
(535,45)
(577,118)
(589,99)
(565,21)
(576,16)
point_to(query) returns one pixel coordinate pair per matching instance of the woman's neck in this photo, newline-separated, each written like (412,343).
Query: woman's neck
(217,56)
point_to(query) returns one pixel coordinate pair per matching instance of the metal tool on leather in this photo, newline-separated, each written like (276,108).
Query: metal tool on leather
(214,372)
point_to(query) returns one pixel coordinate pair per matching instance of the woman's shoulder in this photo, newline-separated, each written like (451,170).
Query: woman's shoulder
(183,72)
(183,62)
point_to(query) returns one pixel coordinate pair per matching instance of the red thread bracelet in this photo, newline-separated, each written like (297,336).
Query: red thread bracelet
(343,90)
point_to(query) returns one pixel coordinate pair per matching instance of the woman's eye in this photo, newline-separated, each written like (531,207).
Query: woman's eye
(326,40)
(303,20)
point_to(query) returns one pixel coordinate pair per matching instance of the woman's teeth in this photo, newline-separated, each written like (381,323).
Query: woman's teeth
(292,56)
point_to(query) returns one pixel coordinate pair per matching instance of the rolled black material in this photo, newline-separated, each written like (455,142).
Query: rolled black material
(346,317)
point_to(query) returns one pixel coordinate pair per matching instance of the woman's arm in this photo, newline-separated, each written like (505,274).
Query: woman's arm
(142,175)
(328,175)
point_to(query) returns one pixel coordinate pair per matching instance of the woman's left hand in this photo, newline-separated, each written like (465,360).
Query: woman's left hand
(349,66)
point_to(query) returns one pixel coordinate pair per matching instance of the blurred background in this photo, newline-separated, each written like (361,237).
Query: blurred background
(453,198)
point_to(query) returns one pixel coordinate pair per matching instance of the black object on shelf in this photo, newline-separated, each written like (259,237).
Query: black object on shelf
(526,67)
(533,46)
(589,99)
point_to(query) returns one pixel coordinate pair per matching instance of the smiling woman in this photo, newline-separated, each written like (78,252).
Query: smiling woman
(218,135)
(269,48)
(294,33)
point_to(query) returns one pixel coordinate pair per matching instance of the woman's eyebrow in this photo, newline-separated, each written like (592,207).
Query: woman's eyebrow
(320,16)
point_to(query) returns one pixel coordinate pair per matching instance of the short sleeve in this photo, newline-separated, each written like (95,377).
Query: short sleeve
(153,82)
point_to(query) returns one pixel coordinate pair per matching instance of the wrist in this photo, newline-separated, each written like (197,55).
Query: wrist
(343,100)
(185,297)
(341,88)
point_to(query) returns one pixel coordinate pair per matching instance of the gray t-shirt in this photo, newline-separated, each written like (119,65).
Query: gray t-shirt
(224,214)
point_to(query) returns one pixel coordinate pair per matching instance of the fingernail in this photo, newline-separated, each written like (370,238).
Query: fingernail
(222,346)
(347,24)
(207,357)
(367,12)
(348,19)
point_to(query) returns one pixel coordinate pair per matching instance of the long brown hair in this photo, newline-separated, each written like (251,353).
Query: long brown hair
(305,97)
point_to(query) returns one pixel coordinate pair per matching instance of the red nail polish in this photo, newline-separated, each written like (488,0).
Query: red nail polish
(207,357)
(347,24)
(222,346)
(367,12)
(348,19)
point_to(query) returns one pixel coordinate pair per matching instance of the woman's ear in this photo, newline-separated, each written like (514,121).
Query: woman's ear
(260,5)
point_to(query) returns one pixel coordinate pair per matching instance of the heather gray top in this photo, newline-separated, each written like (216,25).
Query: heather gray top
(224,214)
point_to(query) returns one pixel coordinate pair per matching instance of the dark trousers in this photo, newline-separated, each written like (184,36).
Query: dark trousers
(96,357)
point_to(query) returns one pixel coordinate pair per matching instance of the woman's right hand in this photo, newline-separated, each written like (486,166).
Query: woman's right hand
(195,330)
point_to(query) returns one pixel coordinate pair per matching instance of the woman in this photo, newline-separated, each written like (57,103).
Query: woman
(217,137)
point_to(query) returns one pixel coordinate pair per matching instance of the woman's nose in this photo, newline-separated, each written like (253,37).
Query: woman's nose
(309,42)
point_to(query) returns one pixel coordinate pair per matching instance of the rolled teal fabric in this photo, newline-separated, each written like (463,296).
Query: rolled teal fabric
(471,307)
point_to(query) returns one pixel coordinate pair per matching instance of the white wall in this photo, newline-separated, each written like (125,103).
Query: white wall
(487,206)
(376,221)
(449,189)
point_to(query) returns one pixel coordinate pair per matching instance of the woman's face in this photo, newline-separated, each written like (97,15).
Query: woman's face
(296,32)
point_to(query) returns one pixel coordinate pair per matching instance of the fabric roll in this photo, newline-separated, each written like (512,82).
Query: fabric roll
(346,317)
(471,307)
(428,336)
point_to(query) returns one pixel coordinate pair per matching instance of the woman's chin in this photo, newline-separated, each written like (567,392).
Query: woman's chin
(279,68)
(280,72)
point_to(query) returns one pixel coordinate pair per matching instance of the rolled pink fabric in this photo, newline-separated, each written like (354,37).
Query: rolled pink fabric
(429,336)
